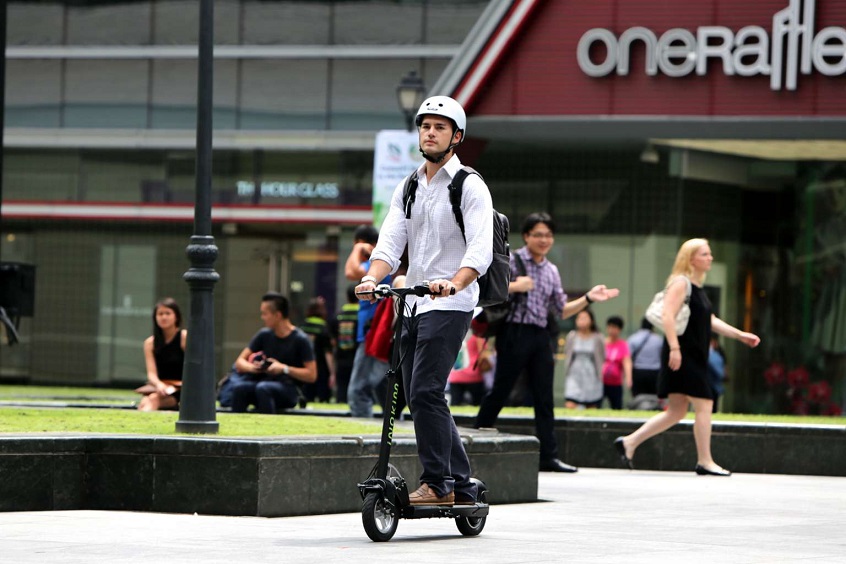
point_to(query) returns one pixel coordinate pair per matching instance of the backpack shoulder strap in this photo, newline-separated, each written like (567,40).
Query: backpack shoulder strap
(688,287)
(687,284)
(456,188)
(409,193)
(521,266)
(640,346)
(519,299)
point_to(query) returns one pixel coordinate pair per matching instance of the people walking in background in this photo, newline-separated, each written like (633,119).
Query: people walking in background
(524,342)
(717,370)
(585,353)
(344,331)
(364,239)
(317,329)
(645,346)
(684,359)
(617,368)
(278,356)
(379,345)
(366,369)
(479,359)
(164,356)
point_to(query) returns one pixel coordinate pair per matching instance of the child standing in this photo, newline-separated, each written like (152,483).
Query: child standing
(617,368)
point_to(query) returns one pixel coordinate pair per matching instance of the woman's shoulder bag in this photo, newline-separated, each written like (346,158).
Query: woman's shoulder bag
(655,311)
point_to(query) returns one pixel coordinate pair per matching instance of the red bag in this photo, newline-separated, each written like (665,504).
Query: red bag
(377,342)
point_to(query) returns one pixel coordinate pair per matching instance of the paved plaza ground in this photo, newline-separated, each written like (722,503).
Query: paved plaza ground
(595,516)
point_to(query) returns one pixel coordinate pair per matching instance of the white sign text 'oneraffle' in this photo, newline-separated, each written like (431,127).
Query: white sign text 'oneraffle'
(790,48)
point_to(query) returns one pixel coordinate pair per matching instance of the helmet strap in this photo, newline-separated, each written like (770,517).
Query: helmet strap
(437,157)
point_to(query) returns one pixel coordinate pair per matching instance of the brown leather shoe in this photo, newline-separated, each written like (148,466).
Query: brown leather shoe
(427,496)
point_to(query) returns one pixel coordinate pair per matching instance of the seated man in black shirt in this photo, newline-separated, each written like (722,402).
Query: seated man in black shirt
(277,355)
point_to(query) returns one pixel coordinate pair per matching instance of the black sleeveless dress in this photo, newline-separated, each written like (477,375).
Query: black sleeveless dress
(692,377)
(170,358)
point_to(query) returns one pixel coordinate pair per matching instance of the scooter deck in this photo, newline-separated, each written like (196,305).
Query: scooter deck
(450,511)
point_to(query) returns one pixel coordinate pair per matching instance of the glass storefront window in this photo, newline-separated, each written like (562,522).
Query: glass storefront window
(378,22)
(284,94)
(368,105)
(33,93)
(127,295)
(113,23)
(17,246)
(448,19)
(798,291)
(35,23)
(106,93)
(250,93)
(177,22)
(239,177)
(286,23)
(37,175)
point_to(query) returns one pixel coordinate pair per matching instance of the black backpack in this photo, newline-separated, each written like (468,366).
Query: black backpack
(492,319)
(493,285)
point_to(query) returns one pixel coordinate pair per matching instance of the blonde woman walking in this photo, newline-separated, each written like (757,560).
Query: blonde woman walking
(684,359)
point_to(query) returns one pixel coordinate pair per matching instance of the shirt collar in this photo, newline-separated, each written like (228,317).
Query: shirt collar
(527,256)
(452,166)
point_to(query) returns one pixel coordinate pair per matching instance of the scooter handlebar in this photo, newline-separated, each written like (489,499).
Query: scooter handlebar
(385,290)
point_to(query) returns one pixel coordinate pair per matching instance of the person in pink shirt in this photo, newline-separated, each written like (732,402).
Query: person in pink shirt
(617,369)
(471,378)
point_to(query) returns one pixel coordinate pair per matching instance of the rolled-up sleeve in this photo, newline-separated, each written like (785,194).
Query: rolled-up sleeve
(558,296)
(393,235)
(478,224)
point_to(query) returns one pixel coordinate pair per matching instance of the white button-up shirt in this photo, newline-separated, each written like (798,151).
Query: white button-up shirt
(436,249)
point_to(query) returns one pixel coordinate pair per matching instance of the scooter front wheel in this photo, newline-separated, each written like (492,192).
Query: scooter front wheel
(470,526)
(380,523)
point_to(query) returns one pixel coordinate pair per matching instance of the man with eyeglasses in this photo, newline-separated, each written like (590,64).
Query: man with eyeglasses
(523,342)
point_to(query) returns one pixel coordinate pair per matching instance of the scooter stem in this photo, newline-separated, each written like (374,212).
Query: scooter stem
(392,399)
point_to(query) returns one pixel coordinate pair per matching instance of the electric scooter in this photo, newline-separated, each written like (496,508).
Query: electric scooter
(385,492)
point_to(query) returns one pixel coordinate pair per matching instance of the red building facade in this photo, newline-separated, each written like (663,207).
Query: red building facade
(640,124)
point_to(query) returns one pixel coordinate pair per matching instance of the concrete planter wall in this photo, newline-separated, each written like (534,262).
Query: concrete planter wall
(741,447)
(262,477)
(273,477)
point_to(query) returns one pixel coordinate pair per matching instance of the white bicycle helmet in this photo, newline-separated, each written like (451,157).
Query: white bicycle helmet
(446,107)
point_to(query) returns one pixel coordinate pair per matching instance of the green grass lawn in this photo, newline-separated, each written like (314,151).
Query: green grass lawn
(26,419)
(71,420)
(81,420)
(39,393)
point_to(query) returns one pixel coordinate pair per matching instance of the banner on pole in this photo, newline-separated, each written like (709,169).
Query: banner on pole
(397,155)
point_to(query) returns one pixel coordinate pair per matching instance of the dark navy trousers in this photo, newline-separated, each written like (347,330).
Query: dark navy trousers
(269,396)
(430,342)
(522,347)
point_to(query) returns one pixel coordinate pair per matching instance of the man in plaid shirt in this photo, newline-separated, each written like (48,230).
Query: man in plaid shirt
(523,342)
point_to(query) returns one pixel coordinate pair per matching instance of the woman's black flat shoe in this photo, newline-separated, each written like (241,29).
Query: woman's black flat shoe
(702,471)
(621,450)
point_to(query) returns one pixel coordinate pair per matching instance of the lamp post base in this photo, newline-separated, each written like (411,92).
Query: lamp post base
(198,427)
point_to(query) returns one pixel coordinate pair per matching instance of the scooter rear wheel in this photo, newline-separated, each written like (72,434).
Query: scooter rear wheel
(379,522)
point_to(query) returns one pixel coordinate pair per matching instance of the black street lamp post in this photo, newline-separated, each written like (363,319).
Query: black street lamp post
(410,93)
(197,402)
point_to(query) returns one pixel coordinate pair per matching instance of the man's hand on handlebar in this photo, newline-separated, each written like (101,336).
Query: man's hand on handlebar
(442,288)
(364,291)
(373,292)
